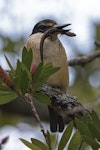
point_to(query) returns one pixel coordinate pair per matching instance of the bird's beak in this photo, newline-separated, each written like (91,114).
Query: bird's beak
(61,26)
(58,29)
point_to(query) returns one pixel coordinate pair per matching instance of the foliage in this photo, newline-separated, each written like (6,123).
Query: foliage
(64,139)
(24,81)
(89,128)
(11,45)
(88,131)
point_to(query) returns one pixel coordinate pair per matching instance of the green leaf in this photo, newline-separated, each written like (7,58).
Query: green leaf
(24,68)
(48,66)
(42,73)
(39,144)
(10,65)
(37,73)
(46,74)
(65,137)
(22,77)
(75,140)
(17,79)
(91,142)
(83,128)
(41,98)
(30,145)
(96,120)
(48,140)
(3,88)
(27,57)
(86,119)
(95,132)
(87,133)
(54,141)
(48,69)
(24,82)
(7,96)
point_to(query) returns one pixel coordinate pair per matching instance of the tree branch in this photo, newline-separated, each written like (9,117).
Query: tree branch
(66,105)
(85,59)
(29,100)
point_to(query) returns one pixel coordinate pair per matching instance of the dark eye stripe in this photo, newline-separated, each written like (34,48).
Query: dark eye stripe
(41,28)
(43,25)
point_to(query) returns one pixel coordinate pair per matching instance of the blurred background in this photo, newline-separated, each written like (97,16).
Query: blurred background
(17,19)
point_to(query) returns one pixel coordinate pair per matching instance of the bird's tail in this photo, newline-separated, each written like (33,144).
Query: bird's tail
(56,121)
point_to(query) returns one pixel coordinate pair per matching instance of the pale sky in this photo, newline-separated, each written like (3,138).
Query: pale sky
(21,15)
(25,13)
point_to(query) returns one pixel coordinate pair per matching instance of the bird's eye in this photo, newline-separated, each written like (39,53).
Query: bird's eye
(44,28)
(40,28)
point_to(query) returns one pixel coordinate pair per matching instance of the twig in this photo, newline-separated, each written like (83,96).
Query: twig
(29,99)
(85,59)
(5,78)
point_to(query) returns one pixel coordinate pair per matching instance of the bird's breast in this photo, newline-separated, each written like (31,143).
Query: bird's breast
(54,52)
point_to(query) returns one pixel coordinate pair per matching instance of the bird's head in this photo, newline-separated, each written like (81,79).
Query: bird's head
(43,26)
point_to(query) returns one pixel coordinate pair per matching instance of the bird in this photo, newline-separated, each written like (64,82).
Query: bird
(53,51)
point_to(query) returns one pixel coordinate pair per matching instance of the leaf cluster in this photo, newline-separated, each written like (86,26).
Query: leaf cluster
(88,131)
(89,128)
(75,140)
(23,80)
